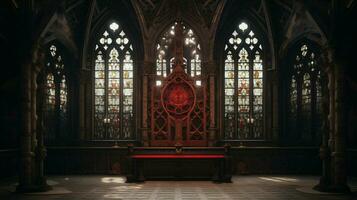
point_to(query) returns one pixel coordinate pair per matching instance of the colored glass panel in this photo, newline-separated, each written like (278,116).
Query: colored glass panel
(114,86)
(56,95)
(305,95)
(243,85)
(192,52)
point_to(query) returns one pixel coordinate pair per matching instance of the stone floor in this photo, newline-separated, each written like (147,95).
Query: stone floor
(243,187)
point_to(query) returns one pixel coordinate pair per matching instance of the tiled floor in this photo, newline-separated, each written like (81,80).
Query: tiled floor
(243,187)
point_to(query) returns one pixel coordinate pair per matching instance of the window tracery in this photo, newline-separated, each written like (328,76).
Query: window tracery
(305,94)
(243,85)
(56,95)
(192,52)
(113,85)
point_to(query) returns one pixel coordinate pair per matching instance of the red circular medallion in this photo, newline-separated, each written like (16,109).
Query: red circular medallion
(178,99)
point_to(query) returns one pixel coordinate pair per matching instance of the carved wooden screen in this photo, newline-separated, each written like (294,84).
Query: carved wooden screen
(178,107)
(163,127)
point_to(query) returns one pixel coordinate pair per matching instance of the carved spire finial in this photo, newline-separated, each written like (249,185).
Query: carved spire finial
(178,65)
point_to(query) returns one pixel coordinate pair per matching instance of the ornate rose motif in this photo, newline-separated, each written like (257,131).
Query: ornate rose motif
(178,98)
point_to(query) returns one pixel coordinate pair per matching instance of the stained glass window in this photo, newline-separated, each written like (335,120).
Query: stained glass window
(51,92)
(113,85)
(165,55)
(63,94)
(318,93)
(305,95)
(318,108)
(243,85)
(56,95)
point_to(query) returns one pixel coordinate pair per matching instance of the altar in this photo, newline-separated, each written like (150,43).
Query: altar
(177,143)
(179,163)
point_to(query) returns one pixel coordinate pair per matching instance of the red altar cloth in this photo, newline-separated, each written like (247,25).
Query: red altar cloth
(177,156)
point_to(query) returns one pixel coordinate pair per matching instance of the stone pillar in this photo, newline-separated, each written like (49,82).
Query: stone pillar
(325,153)
(85,115)
(333,149)
(211,89)
(39,92)
(82,108)
(41,151)
(273,111)
(148,79)
(30,168)
(339,152)
(26,153)
(148,70)
(33,93)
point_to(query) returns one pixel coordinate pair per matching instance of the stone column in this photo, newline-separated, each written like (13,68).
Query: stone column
(40,93)
(86,126)
(325,153)
(33,93)
(333,149)
(148,79)
(211,89)
(273,111)
(30,169)
(82,108)
(339,152)
(41,151)
(26,153)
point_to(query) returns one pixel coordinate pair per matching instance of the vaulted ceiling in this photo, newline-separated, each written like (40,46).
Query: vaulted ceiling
(147,14)
(74,21)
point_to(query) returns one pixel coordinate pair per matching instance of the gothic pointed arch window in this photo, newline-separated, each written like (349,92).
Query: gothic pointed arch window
(305,94)
(243,85)
(165,54)
(113,85)
(56,95)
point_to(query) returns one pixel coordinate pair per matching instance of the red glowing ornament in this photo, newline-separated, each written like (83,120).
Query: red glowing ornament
(178,98)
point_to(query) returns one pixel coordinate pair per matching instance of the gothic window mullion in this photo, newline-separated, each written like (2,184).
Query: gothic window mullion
(313,104)
(299,102)
(57,105)
(318,105)
(121,100)
(106,82)
(251,96)
(236,102)
(307,89)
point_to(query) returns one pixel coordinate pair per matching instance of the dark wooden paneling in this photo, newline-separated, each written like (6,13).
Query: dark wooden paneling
(276,160)
(86,160)
(8,162)
(352,162)
(187,168)
(246,160)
